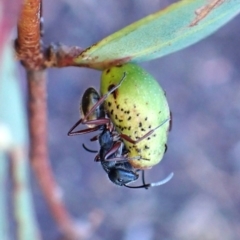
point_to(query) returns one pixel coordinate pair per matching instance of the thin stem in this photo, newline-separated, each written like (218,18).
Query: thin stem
(27,228)
(28,44)
(29,51)
(39,152)
(61,56)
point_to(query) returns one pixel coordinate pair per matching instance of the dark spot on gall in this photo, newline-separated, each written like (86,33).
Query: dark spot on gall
(108,71)
(138,114)
(149,126)
(129,128)
(118,106)
(148,138)
(165,148)
(111,112)
(109,104)
(146,147)
(129,118)
(146,118)
(142,129)
(170,123)
(116,117)
(140,124)
(122,109)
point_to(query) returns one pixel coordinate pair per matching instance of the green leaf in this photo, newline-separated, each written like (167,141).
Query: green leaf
(171,29)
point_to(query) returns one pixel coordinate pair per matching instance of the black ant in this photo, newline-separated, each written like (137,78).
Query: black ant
(112,154)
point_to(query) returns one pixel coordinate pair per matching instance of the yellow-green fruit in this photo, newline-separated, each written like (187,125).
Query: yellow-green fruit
(137,106)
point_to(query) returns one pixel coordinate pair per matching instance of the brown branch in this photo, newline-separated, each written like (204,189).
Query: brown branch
(28,44)
(39,152)
(29,51)
(58,55)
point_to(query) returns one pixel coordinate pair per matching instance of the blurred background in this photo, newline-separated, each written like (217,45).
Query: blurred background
(202,83)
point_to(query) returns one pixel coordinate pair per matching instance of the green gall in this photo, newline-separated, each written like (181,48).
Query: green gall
(136,107)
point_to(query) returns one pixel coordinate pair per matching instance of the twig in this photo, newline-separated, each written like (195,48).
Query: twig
(28,44)
(28,48)
(58,55)
(39,152)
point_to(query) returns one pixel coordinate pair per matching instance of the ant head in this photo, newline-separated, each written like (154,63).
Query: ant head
(122,176)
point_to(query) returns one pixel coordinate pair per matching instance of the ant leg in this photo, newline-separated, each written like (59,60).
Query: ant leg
(88,149)
(74,126)
(117,146)
(97,122)
(127,138)
(114,149)
(87,130)
(125,159)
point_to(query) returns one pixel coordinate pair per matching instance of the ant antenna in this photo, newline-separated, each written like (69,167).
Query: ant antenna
(143,178)
(165,180)
(88,150)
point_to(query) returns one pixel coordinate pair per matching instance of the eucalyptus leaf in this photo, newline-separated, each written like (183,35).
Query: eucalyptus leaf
(166,31)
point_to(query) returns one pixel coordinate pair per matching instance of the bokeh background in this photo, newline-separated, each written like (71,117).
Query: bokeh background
(202,83)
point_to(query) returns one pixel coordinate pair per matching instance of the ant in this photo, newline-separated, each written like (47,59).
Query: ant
(112,154)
